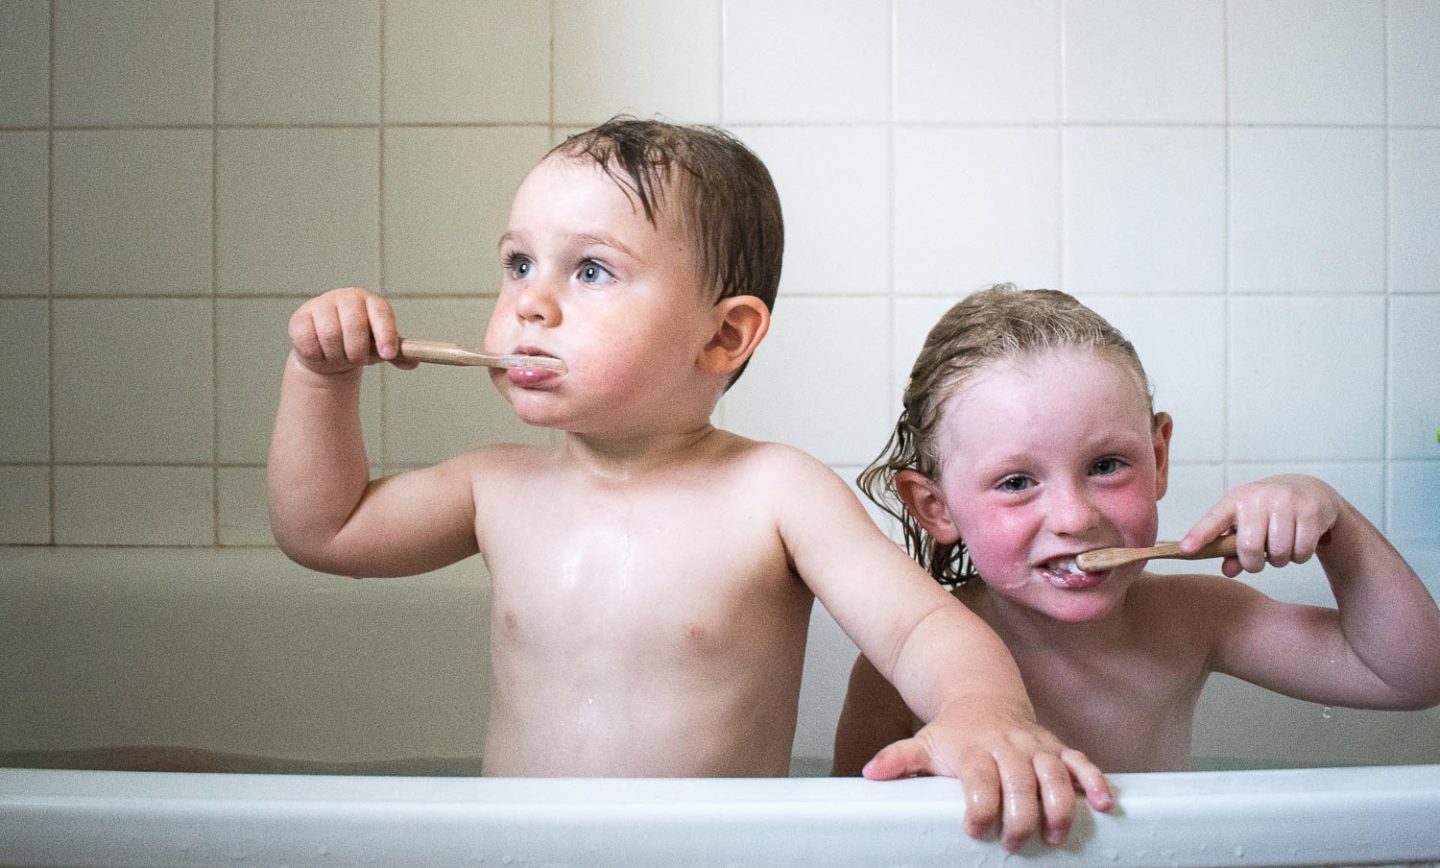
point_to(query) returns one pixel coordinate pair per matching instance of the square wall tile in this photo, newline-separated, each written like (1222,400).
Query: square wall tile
(820,223)
(1306,61)
(138,62)
(1414,508)
(1144,210)
(975,207)
(134,380)
(911,322)
(1181,343)
(134,506)
(284,62)
(1192,489)
(1414,210)
(457,61)
(1131,61)
(243,512)
(801,62)
(24,379)
(1413,30)
(299,211)
(24,505)
(24,209)
(955,61)
(253,346)
(437,411)
(447,202)
(1414,377)
(812,384)
(25,63)
(1306,379)
(1307,210)
(132,212)
(1361,483)
(676,75)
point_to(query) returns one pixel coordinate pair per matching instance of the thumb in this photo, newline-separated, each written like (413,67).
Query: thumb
(900,760)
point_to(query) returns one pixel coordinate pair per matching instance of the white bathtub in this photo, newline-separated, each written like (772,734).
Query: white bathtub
(1347,816)
(269,667)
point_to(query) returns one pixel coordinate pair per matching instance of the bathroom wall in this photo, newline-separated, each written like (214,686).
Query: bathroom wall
(1250,189)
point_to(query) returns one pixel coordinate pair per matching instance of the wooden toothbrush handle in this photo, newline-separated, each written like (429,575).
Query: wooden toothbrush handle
(1107,559)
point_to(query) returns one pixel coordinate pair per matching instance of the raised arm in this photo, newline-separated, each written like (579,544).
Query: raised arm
(946,663)
(1380,648)
(325,511)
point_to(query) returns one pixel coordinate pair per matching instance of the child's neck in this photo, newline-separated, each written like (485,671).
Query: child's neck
(626,456)
(1026,627)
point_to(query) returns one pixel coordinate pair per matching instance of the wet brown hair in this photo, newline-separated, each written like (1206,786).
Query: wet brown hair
(723,195)
(995,324)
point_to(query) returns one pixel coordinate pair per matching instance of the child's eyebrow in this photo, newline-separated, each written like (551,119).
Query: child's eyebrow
(602,240)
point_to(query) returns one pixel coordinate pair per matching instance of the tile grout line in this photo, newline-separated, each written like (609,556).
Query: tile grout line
(215,271)
(50,282)
(381,287)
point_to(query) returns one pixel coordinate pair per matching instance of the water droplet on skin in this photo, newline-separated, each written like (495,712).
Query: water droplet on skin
(1112,854)
(1239,852)
(1325,712)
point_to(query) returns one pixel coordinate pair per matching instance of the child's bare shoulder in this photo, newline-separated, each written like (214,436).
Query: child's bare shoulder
(1188,596)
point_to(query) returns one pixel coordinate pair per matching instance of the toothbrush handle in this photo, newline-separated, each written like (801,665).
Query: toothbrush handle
(1107,559)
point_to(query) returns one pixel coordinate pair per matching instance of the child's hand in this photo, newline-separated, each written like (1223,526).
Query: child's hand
(1013,770)
(1278,520)
(345,329)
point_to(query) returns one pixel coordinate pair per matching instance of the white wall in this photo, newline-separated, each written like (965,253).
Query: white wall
(1249,188)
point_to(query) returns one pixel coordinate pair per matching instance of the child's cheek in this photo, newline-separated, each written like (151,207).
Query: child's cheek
(1000,547)
(1135,515)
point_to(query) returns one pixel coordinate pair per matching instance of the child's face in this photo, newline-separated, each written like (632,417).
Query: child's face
(588,279)
(1042,458)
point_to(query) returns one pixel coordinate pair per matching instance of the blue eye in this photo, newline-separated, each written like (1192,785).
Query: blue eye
(1015,483)
(593,272)
(1106,466)
(518,266)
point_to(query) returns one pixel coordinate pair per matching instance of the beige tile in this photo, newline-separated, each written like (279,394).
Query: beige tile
(252,348)
(132,212)
(447,201)
(802,61)
(457,61)
(25,63)
(244,519)
(146,506)
(813,383)
(820,222)
(133,380)
(24,505)
(299,211)
(24,176)
(285,62)
(137,62)
(1414,378)
(24,380)
(436,411)
(676,76)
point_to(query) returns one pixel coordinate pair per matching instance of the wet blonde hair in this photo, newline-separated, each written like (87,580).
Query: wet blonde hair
(996,324)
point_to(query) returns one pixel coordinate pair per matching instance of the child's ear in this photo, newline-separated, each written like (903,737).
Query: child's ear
(924,500)
(1164,426)
(741,323)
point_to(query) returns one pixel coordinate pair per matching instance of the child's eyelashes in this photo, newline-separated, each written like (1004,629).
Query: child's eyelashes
(1107,466)
(1015,483)
(517,265)
(593,272)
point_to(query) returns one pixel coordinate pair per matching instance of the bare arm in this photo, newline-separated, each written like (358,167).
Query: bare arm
(949,666)
(325,511)
(873,717)
(1379,649)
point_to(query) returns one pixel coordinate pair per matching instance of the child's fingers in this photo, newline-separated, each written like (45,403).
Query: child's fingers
(1217,520)
(1057,797)
(1280,539)
(329,333)
(899,760)
(383,327)
(1091,780)
(1020,789)
(355,335)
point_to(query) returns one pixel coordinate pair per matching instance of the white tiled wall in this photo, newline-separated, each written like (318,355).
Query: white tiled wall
(1250,188)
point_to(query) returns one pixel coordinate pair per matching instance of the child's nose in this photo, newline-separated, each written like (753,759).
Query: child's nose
(1072,511)
(537,302)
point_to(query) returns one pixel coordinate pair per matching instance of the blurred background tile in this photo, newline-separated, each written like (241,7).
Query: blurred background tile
(24,505)
(1414,377)
(1414,190)
(24,379)
(25,63)
(24,213)
(1413,31)
(144,506)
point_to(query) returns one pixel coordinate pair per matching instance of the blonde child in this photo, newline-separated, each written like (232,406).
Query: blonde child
(652,575)
(1028,437)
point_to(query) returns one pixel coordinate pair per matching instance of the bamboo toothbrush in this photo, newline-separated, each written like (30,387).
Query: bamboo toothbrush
(1096,560)
(442,353)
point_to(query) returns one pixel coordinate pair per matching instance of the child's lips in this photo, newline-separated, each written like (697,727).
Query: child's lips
(1063,573)
(532,376)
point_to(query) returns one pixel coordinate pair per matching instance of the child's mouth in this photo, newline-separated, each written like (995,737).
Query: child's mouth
(1064,573)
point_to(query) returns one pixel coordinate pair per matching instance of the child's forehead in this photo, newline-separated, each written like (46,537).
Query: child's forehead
(1058,374)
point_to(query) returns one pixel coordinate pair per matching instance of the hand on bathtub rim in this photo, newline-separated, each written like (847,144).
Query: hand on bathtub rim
(1013,770)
